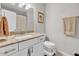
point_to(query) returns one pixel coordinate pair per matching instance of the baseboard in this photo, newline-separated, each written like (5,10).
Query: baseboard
(63,53)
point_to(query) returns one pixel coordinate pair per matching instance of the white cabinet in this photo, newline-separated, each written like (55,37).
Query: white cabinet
(31,47)
(23,52)
(9,50)
(15,54)
(23,46)
(38,48)
(28,43)
(34,45)
(11,18)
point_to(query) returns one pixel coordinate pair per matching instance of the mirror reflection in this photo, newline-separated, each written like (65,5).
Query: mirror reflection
(19,17)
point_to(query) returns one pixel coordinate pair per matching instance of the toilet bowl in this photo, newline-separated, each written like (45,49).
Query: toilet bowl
(49,48)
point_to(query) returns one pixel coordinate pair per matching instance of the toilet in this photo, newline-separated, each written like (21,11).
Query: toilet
(49,48)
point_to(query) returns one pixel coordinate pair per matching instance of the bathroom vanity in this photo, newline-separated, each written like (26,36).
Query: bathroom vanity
(30,44)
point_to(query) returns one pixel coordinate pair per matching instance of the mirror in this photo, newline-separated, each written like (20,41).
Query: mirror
(25,23)
(20,20)
(21,23)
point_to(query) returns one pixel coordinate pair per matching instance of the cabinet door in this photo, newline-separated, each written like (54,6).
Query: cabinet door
(11,18)
(38,49)
(9,50)
(23,52)
(15,54)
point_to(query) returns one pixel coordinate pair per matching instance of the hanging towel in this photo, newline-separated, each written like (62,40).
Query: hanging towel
(1,26)
(5,26)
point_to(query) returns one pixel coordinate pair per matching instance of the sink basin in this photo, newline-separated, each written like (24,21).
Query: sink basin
(22,36)
(5,38)
(2,40)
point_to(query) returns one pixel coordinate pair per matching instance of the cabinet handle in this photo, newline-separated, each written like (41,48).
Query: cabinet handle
(9,51)
(32,49)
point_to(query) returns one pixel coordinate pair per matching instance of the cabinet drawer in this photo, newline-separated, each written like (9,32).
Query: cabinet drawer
(8,50)
(28,43)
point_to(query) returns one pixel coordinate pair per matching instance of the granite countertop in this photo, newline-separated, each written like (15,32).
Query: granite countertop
(18,38)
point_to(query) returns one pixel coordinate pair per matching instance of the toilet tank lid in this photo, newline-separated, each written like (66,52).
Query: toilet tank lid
(48,43)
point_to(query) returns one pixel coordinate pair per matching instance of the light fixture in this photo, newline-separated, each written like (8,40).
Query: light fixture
(28,6)
(21,5)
